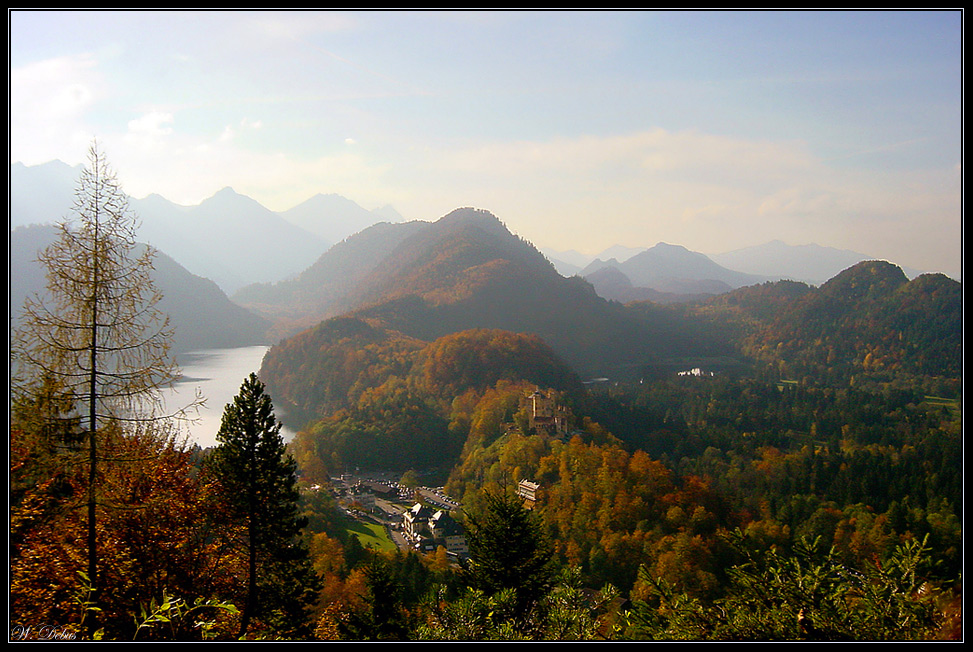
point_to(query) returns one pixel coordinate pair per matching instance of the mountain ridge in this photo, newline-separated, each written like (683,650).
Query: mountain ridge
(465,271)
(203,316)
(810,263)
(44,194)
(674,269)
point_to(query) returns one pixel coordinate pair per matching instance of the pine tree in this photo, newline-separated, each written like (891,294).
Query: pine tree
(259,485)
(382,617)
(509,552)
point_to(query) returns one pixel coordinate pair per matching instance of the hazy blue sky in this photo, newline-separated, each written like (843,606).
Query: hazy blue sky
(713,130)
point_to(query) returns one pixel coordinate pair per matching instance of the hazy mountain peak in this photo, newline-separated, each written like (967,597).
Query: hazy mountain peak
(226,193)
(674,269)
(620,252)
(333,217)
(388,213)
(474,216)
(156,201)
(810,263)
(330,198)
(868,278)
(667,249)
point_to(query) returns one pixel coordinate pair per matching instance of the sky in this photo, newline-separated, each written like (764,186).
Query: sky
(579,130)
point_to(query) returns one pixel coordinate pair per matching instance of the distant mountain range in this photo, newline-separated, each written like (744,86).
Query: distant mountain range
(427,278)
(571,262)
(228,238)
(202,314)
(673,273)
(236,242)
(467,271)
(810,263)
(674,270)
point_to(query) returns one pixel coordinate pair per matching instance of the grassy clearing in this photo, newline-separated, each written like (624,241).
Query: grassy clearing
(370,535)
(952,405)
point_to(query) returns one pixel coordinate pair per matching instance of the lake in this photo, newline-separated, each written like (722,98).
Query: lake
(218,375)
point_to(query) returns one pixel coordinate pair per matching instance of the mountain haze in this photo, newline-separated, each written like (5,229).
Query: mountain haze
(332,218)
(228,238)
(255,244)
(464,271)
(676,270)
(810,263)
(42,194)
(202,314)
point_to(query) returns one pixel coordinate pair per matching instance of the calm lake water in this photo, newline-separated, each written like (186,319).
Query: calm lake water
(218,375)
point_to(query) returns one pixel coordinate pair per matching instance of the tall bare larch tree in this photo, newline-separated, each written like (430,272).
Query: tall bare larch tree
(96,334)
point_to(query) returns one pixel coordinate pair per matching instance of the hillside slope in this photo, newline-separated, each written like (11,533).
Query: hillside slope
(464,271)
(868,321)
(203,316)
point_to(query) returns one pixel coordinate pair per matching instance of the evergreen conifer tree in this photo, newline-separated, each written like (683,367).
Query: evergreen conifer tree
(383,616)
(510,552)
(259,484)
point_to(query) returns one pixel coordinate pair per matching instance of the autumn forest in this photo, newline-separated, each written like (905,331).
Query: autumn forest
(779,462)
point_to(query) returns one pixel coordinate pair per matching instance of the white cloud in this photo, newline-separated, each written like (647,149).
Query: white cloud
(150,131)
(49,101)
(708,192)
(230,132)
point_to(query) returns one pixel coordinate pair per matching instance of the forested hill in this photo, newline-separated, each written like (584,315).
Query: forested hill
(345,362)
(202,315)
(386,261)
(868,322)
(464,271)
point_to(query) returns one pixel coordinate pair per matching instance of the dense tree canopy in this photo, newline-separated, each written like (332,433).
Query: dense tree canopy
(805,485)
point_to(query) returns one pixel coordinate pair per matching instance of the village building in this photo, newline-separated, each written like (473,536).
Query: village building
(528,491)
(428,529)
(447,532)
(364,494)
(695,371)
(415,522)
(379,489)
(360,496)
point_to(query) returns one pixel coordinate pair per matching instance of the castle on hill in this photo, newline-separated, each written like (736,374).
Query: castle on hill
(546,414)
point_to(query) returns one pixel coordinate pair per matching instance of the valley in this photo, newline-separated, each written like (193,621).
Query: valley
(410,326)
(695,405)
